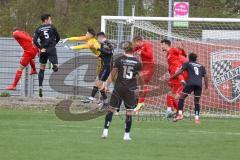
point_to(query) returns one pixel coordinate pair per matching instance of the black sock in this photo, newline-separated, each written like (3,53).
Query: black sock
(197,109)
(103,93)
(94,91)
(180,104)
(108,120)
(128,124)
(41,77)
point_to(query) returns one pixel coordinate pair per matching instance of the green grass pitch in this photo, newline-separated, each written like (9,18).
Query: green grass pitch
(40,135)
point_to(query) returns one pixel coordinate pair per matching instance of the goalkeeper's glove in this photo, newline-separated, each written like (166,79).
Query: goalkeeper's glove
(64,40)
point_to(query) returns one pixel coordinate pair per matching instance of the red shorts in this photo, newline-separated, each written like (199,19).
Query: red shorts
(176,88)
(27,57)
(147,72)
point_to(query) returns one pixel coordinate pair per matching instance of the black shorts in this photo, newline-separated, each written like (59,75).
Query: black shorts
(124,95)
(50,54)
(104,73)
(188,89)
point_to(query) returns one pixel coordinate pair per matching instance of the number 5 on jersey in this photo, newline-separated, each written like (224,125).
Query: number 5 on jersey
(46,35)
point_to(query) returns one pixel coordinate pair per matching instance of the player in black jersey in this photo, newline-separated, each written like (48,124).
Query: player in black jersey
(196,72)
(127,68)
(48,37)
(106,54)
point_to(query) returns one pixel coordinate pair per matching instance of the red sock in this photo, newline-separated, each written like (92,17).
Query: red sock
(32,64)
(143,94)
(170,102)
(175,103)
(17,77)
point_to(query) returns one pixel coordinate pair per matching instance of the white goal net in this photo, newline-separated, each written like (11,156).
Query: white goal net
(215,41)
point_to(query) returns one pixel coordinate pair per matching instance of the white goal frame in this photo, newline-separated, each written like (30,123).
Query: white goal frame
(177,19)
(131,23)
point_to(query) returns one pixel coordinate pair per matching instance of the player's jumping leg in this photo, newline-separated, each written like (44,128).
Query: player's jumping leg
(32,64)
(102,77)
(16,79)
(23,63)
(41,78)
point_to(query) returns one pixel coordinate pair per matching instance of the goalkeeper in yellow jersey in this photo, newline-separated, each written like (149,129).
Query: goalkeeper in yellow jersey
(93,44)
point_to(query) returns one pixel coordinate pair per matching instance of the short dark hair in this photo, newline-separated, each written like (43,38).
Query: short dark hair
(166,41)
(17,29)
(45,17)
(91,31)
(137,38)
(101,34)
(192,57)
(127,46)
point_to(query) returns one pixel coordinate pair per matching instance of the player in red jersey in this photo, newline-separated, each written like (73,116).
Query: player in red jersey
(175,58)
(145,50)
(30,51)
(182,58)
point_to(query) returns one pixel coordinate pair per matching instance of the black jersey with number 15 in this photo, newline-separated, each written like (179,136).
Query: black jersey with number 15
(195,72)
(48,36)
(128,67)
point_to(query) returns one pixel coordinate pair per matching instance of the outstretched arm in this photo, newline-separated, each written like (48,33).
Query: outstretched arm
(82,46)
(177,73)
(81,38)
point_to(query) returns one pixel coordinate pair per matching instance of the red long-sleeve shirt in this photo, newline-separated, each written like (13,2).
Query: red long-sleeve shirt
(146,54)
(25,41)
(173,57)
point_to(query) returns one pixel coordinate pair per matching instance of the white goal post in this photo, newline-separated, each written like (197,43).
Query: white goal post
(216,41)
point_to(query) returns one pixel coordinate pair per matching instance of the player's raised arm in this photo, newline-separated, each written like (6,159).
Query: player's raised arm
(81,38)
(78,47)
(90,34)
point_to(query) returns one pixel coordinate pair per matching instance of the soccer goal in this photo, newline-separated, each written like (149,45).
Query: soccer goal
(215,41)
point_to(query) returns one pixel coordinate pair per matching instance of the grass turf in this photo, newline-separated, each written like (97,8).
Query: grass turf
(39,135)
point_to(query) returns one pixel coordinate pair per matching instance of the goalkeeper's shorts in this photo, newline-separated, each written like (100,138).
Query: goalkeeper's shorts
(99,66)
(104,73)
